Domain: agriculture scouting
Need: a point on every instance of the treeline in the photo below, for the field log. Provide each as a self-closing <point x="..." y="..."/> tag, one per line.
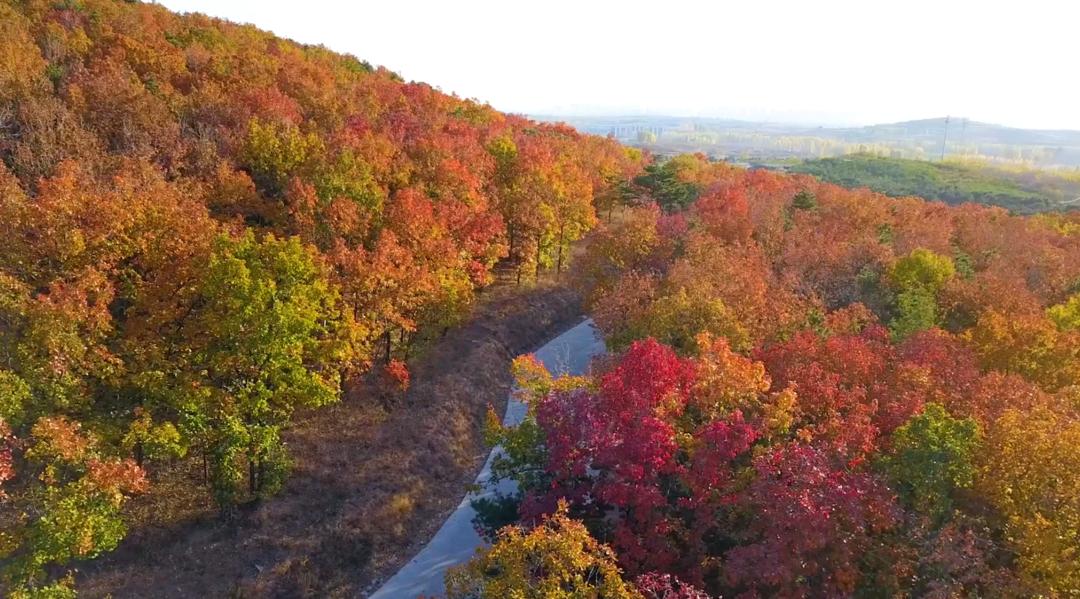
<point x="206" y="227"/>
<point x="814" y="391"/>
<point x="1019" y="190"/>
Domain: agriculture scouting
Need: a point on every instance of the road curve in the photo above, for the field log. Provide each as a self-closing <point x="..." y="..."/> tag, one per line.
<point x="456" y="541"/>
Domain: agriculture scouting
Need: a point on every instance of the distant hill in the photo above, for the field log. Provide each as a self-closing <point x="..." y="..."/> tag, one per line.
<point x="1022" y="191"/>
<point x="1063" y="145"/>
<point x="971" y="131"/>
<point x="749" y="141"/>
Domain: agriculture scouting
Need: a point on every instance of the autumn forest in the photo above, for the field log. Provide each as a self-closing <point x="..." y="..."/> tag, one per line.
<point x="209" y="232"/>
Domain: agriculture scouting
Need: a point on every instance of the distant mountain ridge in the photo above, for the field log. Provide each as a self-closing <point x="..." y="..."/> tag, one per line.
<point x="1002" y="133"/>
<point x="987" y="132"/>
<point x="753" y="141"/>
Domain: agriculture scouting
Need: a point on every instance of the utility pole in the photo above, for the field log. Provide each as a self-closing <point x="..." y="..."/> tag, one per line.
<point x="944" y="138"/>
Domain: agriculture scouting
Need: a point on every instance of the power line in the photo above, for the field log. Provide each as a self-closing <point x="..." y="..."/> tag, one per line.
<point x="945" y="138"/>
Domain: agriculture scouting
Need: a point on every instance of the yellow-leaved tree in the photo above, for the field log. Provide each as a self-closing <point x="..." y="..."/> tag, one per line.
<point x="556" y="560"/>
<point x="1030" y="472"/>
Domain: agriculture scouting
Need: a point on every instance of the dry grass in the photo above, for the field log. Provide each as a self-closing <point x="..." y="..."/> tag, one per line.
<point x="372" y="481"/>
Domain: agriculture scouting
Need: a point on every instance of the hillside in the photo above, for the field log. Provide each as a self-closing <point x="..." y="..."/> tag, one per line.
<point x="1024" y="191"/>
<point x="209" y="230"/>
<point x="261" y="304"/>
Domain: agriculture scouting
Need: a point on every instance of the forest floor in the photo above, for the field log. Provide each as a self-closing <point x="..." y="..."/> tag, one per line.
<point x="373" y="480"/>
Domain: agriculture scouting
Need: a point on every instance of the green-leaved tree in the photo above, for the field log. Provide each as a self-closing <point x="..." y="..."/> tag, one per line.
<point x="266" y="335"/>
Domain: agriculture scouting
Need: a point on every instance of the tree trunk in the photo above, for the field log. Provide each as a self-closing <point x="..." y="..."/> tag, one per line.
<point x="538" y="250"/>
<point x="558" y="259"/>
<point x="513" y="242"/>
<point x="389" y="346"/>
<point x="251" y="476"/>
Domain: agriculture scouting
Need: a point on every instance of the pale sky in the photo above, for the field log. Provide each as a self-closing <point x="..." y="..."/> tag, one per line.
<point x="1012" y="62"/>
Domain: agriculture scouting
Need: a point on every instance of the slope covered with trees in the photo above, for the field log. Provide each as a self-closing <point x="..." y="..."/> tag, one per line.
<point x="207" y="228"/>
<point x="813" y="392"/>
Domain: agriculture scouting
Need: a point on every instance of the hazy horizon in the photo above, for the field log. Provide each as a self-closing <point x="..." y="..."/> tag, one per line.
<point x="833" y="63"/>
<point x="954" y="119"/>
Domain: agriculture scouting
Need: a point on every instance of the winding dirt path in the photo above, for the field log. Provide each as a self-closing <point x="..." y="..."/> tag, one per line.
<point x="456" y="541"/>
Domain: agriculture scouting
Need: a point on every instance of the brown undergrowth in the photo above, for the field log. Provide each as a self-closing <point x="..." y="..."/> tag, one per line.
<point x="374" y="477"/>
